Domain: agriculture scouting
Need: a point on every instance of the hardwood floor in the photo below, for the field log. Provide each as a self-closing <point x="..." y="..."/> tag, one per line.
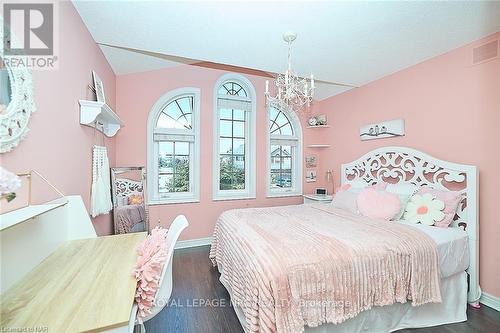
<point x="196" y="283"/>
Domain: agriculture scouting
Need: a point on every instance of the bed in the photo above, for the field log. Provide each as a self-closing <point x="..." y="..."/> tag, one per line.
<point x="315" y="268"/>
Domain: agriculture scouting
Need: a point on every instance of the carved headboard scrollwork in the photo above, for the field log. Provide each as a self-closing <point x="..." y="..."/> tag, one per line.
<point x="407" y="165"/>
<point x="126" y="187"/>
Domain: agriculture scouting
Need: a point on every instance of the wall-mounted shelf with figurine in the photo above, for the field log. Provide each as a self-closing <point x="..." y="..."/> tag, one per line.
<point x="319" y="126"/>
<point x="99" y="116"/>
<point x="318" y="146"/>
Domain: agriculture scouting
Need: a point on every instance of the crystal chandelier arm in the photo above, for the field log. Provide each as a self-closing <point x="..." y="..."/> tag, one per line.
<point x="292" y="91"/>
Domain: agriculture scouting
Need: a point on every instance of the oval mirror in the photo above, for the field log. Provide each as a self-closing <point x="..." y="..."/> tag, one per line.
<point x="5" y="87"/>
<point x="16" y="101"/>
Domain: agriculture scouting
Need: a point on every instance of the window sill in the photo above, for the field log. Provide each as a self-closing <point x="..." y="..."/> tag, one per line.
<point x="172" y="201"/>
<point x="250" y="197"/>
<point x="284" y="195"/>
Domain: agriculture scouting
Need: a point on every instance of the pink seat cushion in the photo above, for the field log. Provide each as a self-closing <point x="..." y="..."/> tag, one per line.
<point x="451" y="201"/>
<point x="378" y="204"/>
<point x="151" y="256"/>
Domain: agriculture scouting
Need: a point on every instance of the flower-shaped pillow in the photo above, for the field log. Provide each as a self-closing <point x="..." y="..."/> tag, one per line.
<point x="425" y="209"/>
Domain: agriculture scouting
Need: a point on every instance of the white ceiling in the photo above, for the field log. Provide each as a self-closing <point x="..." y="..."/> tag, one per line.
<point x="349" y="42"/>
<point x="125" y="62"/>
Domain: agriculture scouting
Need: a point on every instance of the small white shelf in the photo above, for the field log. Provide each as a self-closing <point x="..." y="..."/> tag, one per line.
<point x="99" y="116"/>
<point x="318" y="146"/>
<point x="17" y="216"/>
<point x="319" y="126"/>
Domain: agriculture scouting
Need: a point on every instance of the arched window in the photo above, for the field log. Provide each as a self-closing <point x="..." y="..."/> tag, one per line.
<point x="285" y="153"/>
<point x="173" y="147"/>
<point x="234" y="142"/>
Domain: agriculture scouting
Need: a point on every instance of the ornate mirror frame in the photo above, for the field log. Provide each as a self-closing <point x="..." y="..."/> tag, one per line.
<point x="122" y="187"/>
<point x="14" y="121"/>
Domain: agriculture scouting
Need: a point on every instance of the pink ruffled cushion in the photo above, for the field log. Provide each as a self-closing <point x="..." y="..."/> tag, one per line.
<point x="451" y="201"/>
<point x="152" y="253"/>
<point x="378" y="204"/>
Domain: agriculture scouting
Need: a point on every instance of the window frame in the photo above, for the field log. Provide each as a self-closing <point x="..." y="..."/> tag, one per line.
<point x="154" y="197"/>
<point x="295" y="141"/>
<point x="250" y="141"/>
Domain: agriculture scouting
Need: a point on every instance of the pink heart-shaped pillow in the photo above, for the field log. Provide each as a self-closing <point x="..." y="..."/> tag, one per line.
<point x="378" y="204"/>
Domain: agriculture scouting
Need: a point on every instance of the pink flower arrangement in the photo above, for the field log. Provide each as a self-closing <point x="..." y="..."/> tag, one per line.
<point x="152" y="253"/>
<point x="9" y="183"/>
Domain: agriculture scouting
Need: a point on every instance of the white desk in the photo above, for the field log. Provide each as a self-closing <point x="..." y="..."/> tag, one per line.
<point x="85" y="285"/>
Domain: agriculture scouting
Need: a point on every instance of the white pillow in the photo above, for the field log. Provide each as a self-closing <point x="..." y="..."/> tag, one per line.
<point x="358" y="183"/>
<point x="402" y="188"/>
<point x="346" y="200"/>
<point x="404" y="199"/>
<point x="357" y="186"/>
<point x="404" y="191"/>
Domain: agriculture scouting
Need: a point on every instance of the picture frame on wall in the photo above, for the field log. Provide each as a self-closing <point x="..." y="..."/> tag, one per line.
<point x="385" y="129"/>
<point x="99" y="88"/>
<point x="311" y="161"/>
<point x="311" y="176"/>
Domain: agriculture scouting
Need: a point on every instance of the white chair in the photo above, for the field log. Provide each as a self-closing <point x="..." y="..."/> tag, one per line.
<point x="165" y="291"/>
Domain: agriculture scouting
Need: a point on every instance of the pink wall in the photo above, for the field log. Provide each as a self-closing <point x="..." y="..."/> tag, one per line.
<point x="452" y="111"/>
<point x="57" y="145"/>
<point x="136" y="94"/>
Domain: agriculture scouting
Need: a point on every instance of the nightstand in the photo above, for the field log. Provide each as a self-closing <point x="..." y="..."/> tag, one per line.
<point x="314" y="198"/>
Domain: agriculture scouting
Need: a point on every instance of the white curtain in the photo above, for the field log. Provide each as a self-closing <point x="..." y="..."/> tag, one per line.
<point x="101" y="191"/>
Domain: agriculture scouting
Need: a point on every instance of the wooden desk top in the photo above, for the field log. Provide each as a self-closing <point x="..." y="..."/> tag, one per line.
<point x="84" y="286"/>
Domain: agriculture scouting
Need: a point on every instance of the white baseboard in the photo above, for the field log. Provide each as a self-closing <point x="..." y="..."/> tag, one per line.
<point x="490" y="300"/>
<point x="193" y="243"/>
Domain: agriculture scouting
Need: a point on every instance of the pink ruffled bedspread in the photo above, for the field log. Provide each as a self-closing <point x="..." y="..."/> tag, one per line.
<point x="287" y="267"/>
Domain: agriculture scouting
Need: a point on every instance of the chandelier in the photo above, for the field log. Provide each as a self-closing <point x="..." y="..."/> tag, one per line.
<point x="291" y="91"/>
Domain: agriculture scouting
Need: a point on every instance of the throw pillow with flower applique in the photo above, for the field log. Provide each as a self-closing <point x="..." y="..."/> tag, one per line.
<point x="425" y="209"/>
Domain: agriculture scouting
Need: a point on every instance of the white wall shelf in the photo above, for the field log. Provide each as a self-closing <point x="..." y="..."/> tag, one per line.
<point x="99" y="116"/>
<point x="319" y="126"/>
<point x="318" y="146"/>
<point x="17" y="216"/>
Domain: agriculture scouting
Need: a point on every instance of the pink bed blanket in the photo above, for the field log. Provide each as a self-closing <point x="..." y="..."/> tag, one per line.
<point x="127" y="216"/>
<point x="287" y="267"/>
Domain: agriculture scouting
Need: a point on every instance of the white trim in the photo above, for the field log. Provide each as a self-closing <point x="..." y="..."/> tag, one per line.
<point x="250" y="151"/>
<point x="194" y="195"/>
<point x="172" y="201"/>
<point x="297" y="162"/>
<point x="233" y="197"/>
<point x="399" y="162"/>
<point x="184" y="244"/>
<point x="283" y="195"/>
<point x="490" y="300"/>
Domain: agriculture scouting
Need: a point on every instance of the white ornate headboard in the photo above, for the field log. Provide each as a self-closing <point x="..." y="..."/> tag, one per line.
<point x="126" y="187"/>
<point x="406" y="165"/>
